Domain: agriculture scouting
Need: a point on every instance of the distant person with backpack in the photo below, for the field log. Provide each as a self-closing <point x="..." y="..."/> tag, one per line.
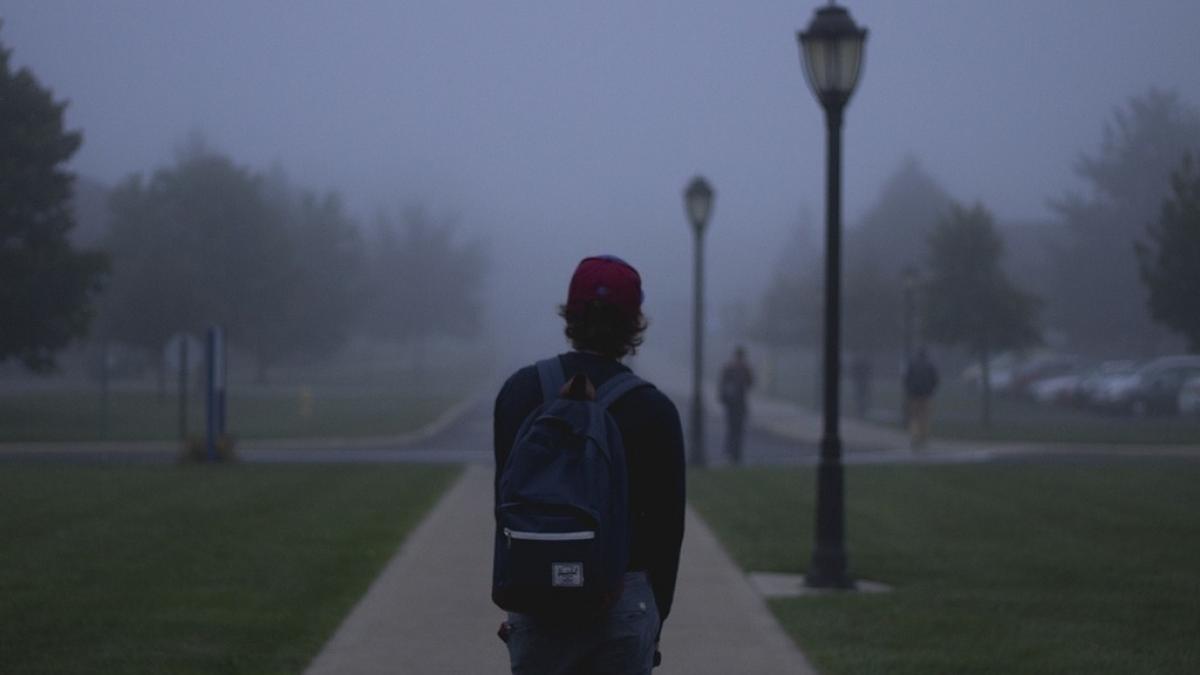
<point x="735" y="383"/>
<point x="589" y="492"/>
<point x="920" y="381"/>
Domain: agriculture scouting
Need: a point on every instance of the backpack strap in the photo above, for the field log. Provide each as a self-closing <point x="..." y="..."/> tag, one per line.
<point x="616" y="387"/>
<point x="551" y="376"/>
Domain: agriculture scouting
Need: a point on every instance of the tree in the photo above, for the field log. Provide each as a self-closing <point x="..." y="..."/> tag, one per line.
<point x="970" y="301"/>
<point x="325" y="269"/>
<point x="889" y="238"/>
<point x="197" y="245"/>
<point x="46" y="287"/>
<point x="1170" y="262"/>
<point x="1128" y="177"/>
<point x="424" y="280"/>
<point x="892" y="234"/>
<point x="789" y="313"/>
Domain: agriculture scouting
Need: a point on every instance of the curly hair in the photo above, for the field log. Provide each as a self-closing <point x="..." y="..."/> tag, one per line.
<point x="604" y="328"/>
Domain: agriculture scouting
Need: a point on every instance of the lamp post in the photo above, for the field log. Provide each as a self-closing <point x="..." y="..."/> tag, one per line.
<point x="908" y="282"/>
<point x="832" y="49"/>
<point x="697" y="201"/>
<point x="908" y="279"/>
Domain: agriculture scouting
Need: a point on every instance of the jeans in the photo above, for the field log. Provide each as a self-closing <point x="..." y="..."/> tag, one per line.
<point x="619" y="643"/>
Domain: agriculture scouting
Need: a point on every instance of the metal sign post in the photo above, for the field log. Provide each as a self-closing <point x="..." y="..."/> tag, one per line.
<point x="214" y="390"/>
<point x="183" y="388"/>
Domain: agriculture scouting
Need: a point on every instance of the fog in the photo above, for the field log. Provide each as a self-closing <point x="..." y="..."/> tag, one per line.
<point x="556" y="130"/>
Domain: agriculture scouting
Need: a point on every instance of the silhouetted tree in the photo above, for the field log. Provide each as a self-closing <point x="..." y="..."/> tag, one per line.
<point x="873" y="320"/>
<point x="892" y="234"/>
<point x="324" y="265"/>
<point x="1170" y="261"/>
<point x="970" y="301"/>
<point x="424" y="280"/>
<point x="1128" y="178"/>
<point x="46" y="287"/>
<point x="790" y="312"/>
<point x="197" y="245"/>
<point x="890" y="237"/>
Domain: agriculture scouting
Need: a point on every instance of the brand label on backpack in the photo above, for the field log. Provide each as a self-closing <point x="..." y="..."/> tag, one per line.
<point x="566" y="575"/>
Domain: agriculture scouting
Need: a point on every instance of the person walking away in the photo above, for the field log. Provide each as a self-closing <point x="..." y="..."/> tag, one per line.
<point x="736" y="380"/>
<point x="920" y="382"/>
<point x="553" y="556"/>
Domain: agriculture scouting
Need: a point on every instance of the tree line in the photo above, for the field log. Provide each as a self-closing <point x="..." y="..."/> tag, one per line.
<point x="1116" y="272"/>
<point x="284" y="270"/>
<point x="287" y="272"/>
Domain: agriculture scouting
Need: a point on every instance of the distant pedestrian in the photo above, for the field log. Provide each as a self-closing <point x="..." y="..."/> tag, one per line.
<point x="920" y="381"/>
<point x="587" y="576"/>
<point x="736" y="380"/>
<point x="860" y="377"/>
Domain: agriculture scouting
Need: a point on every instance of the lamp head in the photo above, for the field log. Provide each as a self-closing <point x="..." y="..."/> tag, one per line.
<point x="832" y="51"/>
<point x="697" y="200"/>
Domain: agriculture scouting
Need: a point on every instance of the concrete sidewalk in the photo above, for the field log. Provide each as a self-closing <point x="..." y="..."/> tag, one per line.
<point x="430" y="612"/>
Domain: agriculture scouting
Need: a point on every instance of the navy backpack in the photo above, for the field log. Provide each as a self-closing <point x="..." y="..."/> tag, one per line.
<point x="562" y="501"/>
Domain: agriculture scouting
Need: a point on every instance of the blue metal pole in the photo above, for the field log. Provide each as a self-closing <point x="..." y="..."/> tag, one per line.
<point x="210" y="408"/>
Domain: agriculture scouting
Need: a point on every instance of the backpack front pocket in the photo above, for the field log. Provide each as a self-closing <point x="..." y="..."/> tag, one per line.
<point x="554" y="559"/>
<point x="549" y="546"/>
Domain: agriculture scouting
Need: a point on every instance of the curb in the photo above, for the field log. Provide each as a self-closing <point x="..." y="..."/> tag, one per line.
<point x="439" y="424"/>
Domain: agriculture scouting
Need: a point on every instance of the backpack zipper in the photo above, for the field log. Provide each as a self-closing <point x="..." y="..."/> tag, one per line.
<point x="547" y="536"/>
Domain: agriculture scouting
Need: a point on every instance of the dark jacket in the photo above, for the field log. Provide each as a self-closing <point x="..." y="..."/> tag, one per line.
<point x="736" y="380"/>
<point x="653" y="440"/>
<point x="920" y="378"/>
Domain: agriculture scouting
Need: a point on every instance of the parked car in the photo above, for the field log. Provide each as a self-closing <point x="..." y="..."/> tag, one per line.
<point x="1012" y="374"/>
<point x="1101" y="379"/>
<point x="1000" y="372"/>
<point x="1041" y="367"/>
<point x="1154" y="389"/>
<point x="1057" y="390"/>
<point x="1189" y="397"/>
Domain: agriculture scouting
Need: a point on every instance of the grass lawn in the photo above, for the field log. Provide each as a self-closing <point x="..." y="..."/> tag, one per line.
<point x="279" y="413"/>
<point x="192" y="569"/>
<point x="996" y="569"/>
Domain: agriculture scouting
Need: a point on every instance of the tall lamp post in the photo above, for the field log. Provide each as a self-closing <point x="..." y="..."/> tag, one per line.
<point x="832" y="51"/>
<point x="697" y="201"/>
<point x="908" y="281"/>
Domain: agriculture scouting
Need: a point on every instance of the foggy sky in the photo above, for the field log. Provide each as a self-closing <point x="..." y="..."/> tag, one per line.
<point x="559" y="129"/>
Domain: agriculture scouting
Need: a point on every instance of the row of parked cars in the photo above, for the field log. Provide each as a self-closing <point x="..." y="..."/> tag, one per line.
<point x="1168" y="385"/>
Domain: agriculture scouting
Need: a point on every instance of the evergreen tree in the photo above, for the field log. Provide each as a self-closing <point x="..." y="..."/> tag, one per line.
<point x="196" y="245"/>
<point x="425" y="281"/>
<point x="46" y="287"/>
<point x="1128" y="177"/>
<point x="970" y="301"/>
<point x="1170" y="262"/>
<point x="325" y="265"/>
<point x="889" y="238"/>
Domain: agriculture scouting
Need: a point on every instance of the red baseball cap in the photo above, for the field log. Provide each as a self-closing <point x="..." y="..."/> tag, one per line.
<point x="606" y="278"/>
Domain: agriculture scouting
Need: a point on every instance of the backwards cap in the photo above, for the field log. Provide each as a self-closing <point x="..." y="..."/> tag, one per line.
<point x="606" y="278"/>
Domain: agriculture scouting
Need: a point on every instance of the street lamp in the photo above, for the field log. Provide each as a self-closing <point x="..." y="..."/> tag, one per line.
<point x="908" y="279"/>
<point x="697" y="201"/>
<point x="908" y="282"/>
<point x="832" y="50"/>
